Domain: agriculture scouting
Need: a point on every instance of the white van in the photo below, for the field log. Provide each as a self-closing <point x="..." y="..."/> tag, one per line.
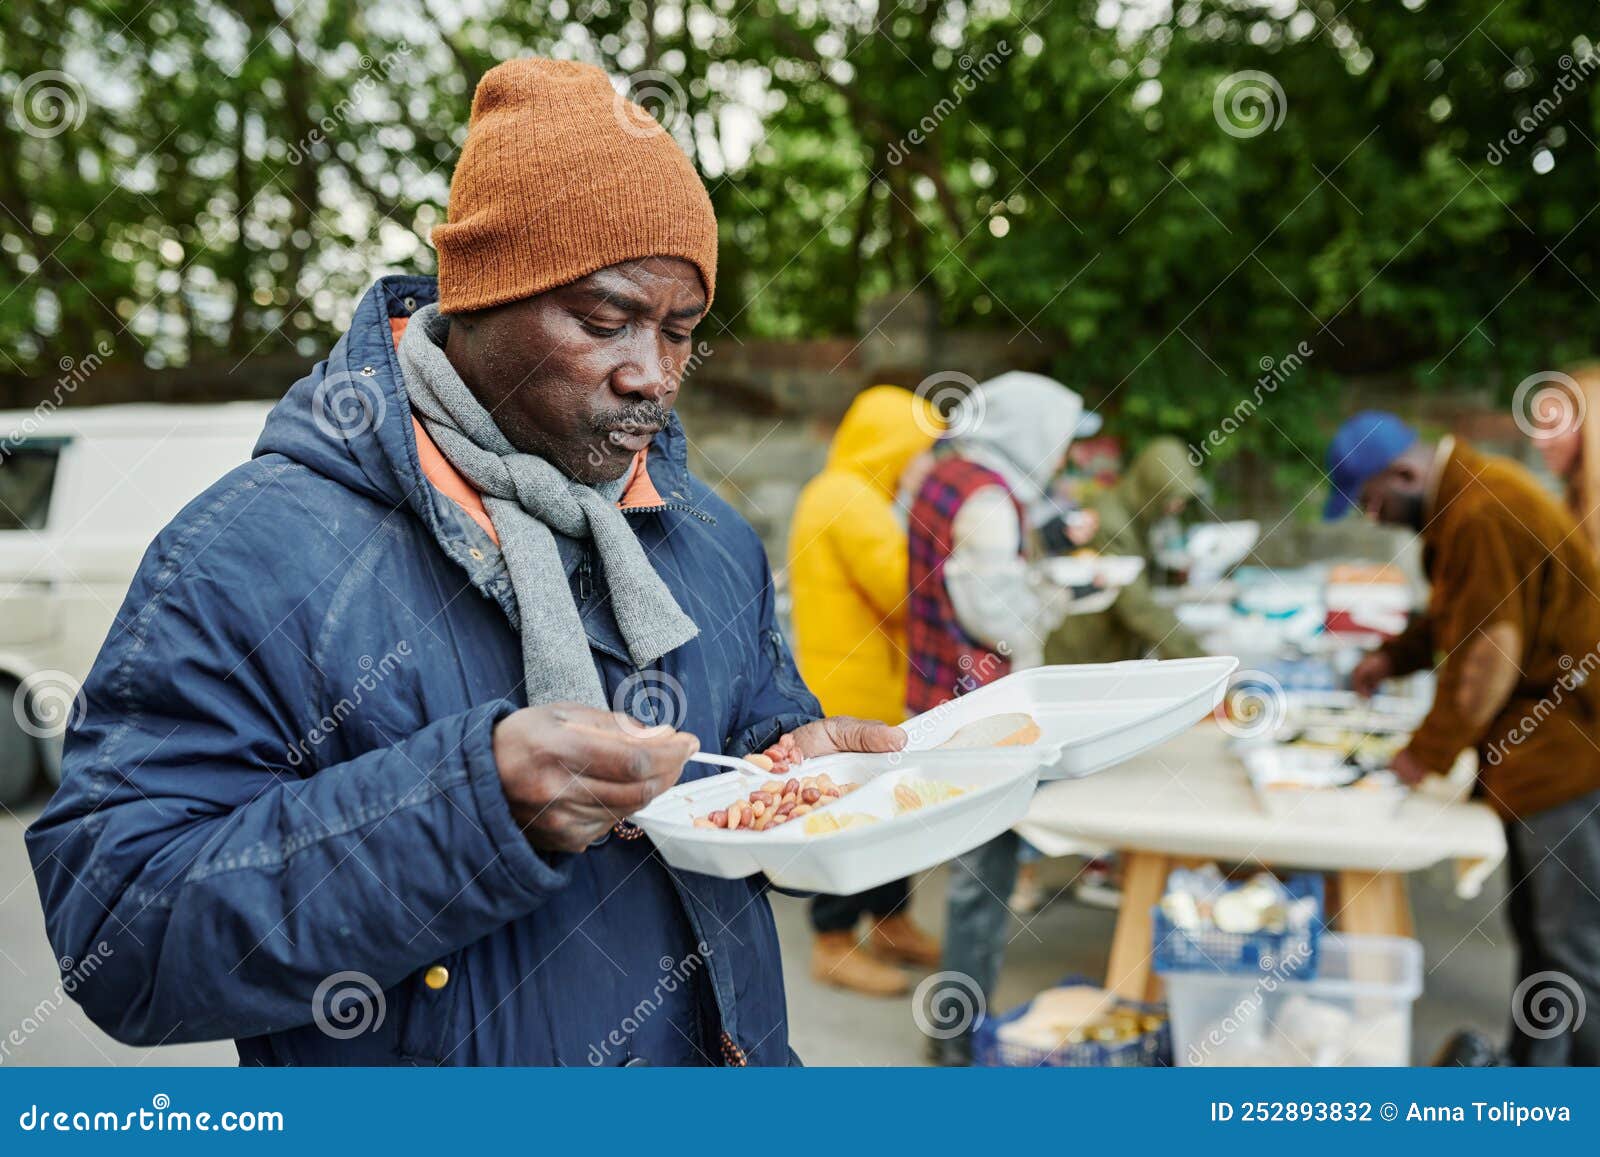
<point x="83" y="491"/>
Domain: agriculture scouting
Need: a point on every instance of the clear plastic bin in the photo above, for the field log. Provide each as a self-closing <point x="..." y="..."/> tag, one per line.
<point x="1356" y="1012"/>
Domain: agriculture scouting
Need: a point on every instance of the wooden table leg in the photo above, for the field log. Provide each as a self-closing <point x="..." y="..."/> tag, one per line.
<point x="1144" y="878"/>
<point x="1373" y="904"/>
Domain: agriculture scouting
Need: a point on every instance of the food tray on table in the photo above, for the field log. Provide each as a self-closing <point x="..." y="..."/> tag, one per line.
<point x="1151" y="1048"/>
<point x="1381" y="714"/>
<point x="996" y="785"/>
<point x="1292" y="952"/>
<point x="1320" y="785"/>
<point x="1091" y="716"/>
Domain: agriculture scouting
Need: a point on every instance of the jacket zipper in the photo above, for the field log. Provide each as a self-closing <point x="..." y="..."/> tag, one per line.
<point x="585" y="578"/>
<point x="701" y="515"/>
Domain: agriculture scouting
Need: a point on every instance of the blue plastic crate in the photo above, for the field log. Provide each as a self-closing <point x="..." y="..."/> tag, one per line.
<point x="1288" y="954"/>
<point x="1152" y="1050"/>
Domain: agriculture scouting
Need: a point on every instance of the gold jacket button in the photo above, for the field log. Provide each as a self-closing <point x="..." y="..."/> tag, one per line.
<point x="436" y="977"/>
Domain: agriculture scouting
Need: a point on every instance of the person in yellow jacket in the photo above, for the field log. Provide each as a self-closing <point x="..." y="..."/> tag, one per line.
<point x="847" y="575"/>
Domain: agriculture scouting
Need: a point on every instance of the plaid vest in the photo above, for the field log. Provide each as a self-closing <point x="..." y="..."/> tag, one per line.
<point x="945" y="662"/>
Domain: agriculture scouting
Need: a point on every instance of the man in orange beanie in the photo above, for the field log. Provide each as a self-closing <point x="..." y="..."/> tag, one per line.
<point x="426" y="858"/>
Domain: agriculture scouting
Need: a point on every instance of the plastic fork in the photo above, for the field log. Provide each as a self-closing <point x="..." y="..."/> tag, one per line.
<point x="731" y="761"/>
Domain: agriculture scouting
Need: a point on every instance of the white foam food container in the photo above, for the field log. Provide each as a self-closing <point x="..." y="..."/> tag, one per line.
<point x="1317" y="787"/>
<point x="1093" y="715"/>
<point x="999" y="784"/>
<point x="1107" y="570"/>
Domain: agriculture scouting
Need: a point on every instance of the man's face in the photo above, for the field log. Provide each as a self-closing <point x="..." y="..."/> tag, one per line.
<point x="584" y="375"/>
<point x="1396" y="495"/>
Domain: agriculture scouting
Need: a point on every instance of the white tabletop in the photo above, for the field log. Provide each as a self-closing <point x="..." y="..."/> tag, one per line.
<point x="1190" y="797"/>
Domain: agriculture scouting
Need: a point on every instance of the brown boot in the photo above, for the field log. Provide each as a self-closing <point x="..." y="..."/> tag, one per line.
<point x="838" y="960"/>
<point x="897" y="938"/>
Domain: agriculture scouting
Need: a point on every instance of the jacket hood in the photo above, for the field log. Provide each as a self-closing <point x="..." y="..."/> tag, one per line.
<point x="882" y="431"/>
<point x="1024" y="420"/>
<point x="349" y="419"/>
<point x="1160" y="473"/>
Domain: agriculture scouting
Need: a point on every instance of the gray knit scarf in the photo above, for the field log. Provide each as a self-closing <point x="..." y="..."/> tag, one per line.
<point x="527" y="498"/>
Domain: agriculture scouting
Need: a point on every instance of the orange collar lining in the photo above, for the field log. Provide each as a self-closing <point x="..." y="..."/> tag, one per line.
<point x="639" y="491"/>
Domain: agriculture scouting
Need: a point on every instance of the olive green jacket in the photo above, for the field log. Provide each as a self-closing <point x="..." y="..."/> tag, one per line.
<point x="1136" y="625"/>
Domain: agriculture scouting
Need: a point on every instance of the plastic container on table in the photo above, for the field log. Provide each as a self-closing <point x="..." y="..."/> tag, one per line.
<point x="999" y="784"/>
<point x="1357" y="1012"/>
<point x="1093" y="715"/>
<point x="1318" y="787"/>
<point x="1250" y="954"/>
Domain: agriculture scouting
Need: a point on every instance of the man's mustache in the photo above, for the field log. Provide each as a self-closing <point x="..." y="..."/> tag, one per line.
<point x="640" y="416"/>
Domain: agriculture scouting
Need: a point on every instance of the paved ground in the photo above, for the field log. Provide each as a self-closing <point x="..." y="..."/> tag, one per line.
<point x="1468" y="982"/>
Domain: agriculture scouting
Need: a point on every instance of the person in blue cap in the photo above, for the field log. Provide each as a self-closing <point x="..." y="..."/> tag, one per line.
<point x="1512" y="629"/>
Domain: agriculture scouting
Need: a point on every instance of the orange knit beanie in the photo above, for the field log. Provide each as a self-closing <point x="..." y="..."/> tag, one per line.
<point x="560" y="177"/>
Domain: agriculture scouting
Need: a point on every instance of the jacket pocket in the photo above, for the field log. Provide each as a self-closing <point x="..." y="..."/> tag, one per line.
<point x="429" y="1010"/>
<point x="785" y="675"/>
